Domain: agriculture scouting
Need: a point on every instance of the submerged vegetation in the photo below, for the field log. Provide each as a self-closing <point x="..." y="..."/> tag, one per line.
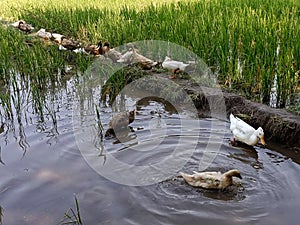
<point x="252" y="46"/>
<point x="72" y="216"/>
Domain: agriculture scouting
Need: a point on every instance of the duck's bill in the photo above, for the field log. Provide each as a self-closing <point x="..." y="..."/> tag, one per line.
<point x="262" y="140"/>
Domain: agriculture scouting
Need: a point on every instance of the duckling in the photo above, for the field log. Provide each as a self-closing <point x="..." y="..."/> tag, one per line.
<point x="23" y="26"/>
<point x="120" y="122"/>
<point x="211" y="180"/>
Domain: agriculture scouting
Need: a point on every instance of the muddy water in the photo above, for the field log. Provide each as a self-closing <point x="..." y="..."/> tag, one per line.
<point x="44" y="167"/>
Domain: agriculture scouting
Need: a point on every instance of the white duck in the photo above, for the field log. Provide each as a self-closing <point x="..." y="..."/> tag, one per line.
<point x="211" y="180"/>
<point x="244" y="132"/>
<point x="173" y="65"/>
<point x="44" y="34"/>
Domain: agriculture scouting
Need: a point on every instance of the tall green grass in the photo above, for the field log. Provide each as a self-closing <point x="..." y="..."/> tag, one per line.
<point x="225" y="33"/>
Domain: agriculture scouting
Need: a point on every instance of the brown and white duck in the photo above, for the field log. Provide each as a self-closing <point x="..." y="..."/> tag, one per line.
<point x="68" y="44"/>
<point x="93" y="49"/>
<point x="111" y="53"/>
<point x="42" y="33"/>
<point x="133" y="57"/>
<point x="120" y="122"/>
<point x="211" y="180"/>
<point x="23" y="26"/>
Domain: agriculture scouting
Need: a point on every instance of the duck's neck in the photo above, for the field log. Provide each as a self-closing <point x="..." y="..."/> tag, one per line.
<point x="225" y="182"/>
<point x="254" y="139"/>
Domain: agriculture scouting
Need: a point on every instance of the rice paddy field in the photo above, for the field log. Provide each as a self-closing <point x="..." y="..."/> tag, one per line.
<point x="252" y="46"/>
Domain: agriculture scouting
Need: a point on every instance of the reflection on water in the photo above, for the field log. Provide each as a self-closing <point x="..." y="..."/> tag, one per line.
<point x="44" y="167"/>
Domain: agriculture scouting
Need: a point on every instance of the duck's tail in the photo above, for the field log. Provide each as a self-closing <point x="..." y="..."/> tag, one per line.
<point x="187" y="177"/>
<point x="232" y="121"/>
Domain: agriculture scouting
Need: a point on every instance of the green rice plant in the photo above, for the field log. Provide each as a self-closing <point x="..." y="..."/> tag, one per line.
<point x="6" y="106"/>
<point x="72" y="216"/>
<point x="119" y="80"/>
<point x="99" y="123"/>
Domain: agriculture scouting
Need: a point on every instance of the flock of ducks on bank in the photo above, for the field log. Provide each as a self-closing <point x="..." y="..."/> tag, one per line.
<point x="241" y="131"/>
<point x="131" y="56"/>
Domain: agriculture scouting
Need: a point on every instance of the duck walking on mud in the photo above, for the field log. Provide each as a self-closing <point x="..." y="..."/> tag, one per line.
<point x="173" y="65"/>
<point x="211" y="180"/>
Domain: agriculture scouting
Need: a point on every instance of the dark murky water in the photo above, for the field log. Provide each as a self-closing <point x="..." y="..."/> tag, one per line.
<point x="44" y="167"/>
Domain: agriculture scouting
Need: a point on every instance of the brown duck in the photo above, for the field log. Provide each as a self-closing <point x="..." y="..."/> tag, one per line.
<point x="211" y="180"/>
<point x="93" y="49"/>
<point x="111" y="53"/>
<point x="120" y="122"/>
<point x="69" y="44"/>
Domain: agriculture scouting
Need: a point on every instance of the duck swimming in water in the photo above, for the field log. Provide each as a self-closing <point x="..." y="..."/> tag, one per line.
<point x="120" y="122"/>
<point x="245" y="133"/>
<point x="211" y="180"/>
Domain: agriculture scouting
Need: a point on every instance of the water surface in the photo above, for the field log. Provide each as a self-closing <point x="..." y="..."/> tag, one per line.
<point x="43" y="167"/>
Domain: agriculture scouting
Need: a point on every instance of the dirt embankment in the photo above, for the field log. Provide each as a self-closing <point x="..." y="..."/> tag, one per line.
<point x="279" y="125"/>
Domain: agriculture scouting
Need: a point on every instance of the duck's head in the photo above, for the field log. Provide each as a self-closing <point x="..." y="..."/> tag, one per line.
<point x="131" y="115"/>
<point x="21" y="22"/>
<point x="100" y="44"/>
<point x="234" y="173"/>
<point x="131" y="45"/>
<point x="106" y="44"/>
<point x="60" y="39"/>
<point x="105" y="47"/>
<point x="167" y="58"/>
<point x="260" y="134"/>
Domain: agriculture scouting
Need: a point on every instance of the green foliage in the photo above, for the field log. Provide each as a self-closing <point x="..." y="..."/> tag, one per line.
<point x="250" y="42"/>
<point x="119" y="80"/>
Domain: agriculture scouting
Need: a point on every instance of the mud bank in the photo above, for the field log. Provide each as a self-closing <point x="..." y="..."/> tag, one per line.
<point x="279" y="125"/>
